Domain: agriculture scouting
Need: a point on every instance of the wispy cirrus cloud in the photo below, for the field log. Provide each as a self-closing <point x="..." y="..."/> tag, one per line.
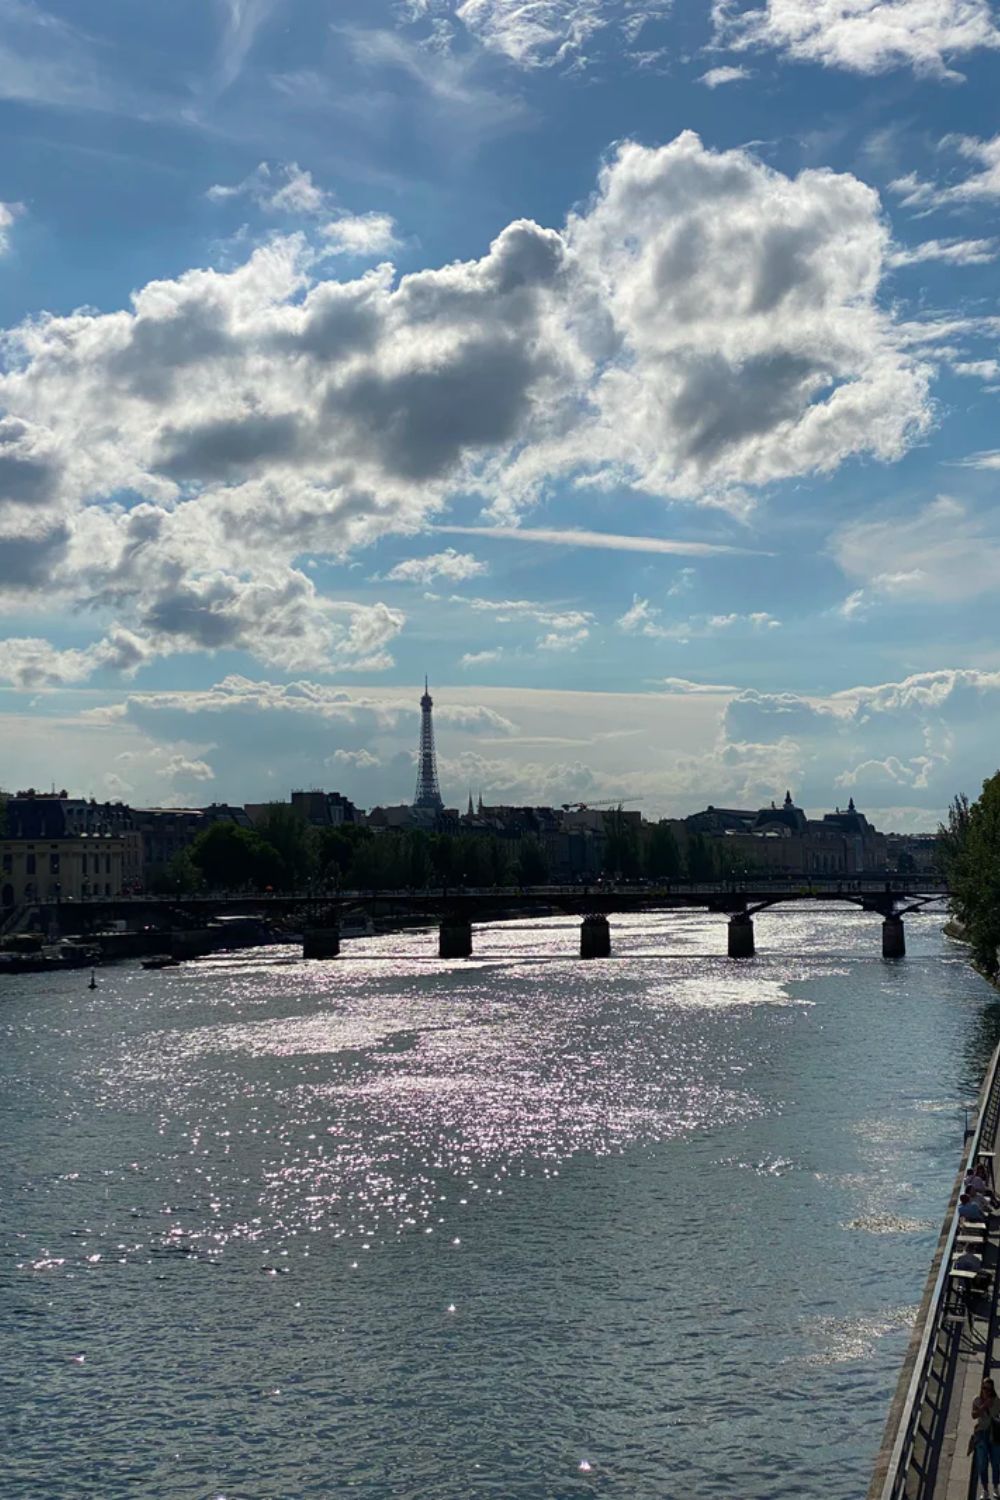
<point x="540" y="33"/>
<point x="601" y="540"/>
<point x="953" y="252"/>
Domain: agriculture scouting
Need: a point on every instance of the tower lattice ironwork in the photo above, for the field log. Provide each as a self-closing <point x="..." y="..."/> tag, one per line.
<point x="428" y="794"/>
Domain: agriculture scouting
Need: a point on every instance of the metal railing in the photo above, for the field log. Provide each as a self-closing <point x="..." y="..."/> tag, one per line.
<point x="921" y="1421"/>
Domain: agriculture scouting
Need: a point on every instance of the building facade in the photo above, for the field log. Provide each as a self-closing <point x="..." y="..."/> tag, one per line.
<point x="61" y="869"/>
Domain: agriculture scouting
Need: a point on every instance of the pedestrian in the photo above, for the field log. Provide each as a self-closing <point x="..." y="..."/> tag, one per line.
<point x="984" y="1443"/>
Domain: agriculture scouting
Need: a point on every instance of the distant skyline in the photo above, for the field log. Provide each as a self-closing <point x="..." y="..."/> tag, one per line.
<point x="631" y="368"/>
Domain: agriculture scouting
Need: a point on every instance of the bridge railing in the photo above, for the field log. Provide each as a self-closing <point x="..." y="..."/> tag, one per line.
<point x="923" y="1416"/>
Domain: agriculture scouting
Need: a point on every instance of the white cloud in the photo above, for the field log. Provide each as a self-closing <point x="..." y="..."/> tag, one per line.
<point x="601" y="540"/>
<point x="863" y="36"/>
<point x="685" y="686"/>
<point x="448" y="564"/>
<point x="363" y="235"/>
<point x="545" y="33"/>
<point x="702" y="325"/>
<point x="570" y="640"/>
<point x="360" y="759"/>
<point x="283" y="187"/>
<point x="286" y="188"/>
<point x="954" y="252"/>
<point x="8" y="213"/>
<point x="757" y="620"/>
<point x="981" y="186"/>
<point x="942" y="553"/>
<point x="480" y="658"/>
<point x="641" y="619"/>
<point x="977" y="369"/>
<point x="988" y="459"/>
<point x="716" y="77"/>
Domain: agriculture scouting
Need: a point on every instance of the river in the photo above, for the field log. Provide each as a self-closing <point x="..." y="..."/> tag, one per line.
<point x="650" y="1228"/>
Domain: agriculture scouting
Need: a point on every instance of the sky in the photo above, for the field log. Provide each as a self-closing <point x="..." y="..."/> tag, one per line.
<point x="629" y="367"/>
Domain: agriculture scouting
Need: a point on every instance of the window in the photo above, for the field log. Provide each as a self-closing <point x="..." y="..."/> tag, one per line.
<point x="29" y="864"/>
<point x="8" y="863"/>
<point x="83" y="864"/>
<point x="53" y="864"/>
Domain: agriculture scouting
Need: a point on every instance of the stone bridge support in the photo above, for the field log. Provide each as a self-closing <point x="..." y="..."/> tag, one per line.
<point x="321" y="942"/>
<point x="595" y="936"/>
<point x="740" y="934"/>
<point x="455" y="938"/>
<point x="893" y="937"/>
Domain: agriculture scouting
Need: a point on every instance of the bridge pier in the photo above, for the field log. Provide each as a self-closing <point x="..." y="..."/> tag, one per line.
<point x="893" y="937"/>
<point x="455" y="938"/>
<point x="595" y="936"/>
<point x="321" y="942"/>
<point x="740" y="935"/>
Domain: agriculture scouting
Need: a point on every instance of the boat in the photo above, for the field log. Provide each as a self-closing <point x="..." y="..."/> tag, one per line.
<point x="162" y="961"/>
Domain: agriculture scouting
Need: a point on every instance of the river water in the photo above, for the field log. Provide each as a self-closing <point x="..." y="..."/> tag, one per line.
<point x="650" y="1228"/>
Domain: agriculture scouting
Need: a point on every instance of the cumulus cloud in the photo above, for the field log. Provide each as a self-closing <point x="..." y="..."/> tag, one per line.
<point x="363" y="235"/>
<point x="360" y="759"/>
<point x="480" y="658"/>
<point x="862" y="36"/>
<point x="702" y="326"/>
<point x="447" y="564"/>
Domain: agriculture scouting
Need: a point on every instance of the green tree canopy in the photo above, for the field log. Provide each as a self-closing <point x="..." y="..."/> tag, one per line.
<point x="970" y="852"/>
<point x="663" y="857"/>
<point x="232" y="858"/>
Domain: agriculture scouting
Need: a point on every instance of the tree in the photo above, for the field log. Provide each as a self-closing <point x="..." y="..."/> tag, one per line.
<point x="663" y="857"/>
<point x="287" y="831"/>
<point x="532" y="862"/>
<point x="971" y="857"/>
<point x="336" y="849"/>
<point x="418" y="859"/>
<point x="229" y="857"/>
<point x="444" y="859"/>
<point x="700" y="860"/>
<point x="182" y="877"/>
<point x="621" y="843"/>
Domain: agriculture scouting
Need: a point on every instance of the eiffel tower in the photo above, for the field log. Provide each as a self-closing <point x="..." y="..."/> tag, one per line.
<point x="428" y="795"/>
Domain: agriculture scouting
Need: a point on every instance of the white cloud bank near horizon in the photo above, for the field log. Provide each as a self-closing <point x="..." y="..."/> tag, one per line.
<point x="901" y="749"/>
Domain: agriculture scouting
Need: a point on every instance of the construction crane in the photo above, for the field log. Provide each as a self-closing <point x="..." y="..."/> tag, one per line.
<point x="585" y="806"/>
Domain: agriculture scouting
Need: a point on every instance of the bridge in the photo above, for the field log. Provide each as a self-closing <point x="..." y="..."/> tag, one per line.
<point x="457" y="908"/>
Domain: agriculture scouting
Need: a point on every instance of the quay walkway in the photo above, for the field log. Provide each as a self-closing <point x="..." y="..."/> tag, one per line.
<point x="955" y="1343"/>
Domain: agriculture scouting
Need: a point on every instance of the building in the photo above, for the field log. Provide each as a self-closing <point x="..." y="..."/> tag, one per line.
<point x="61" y="869"/>
<point x="325" y="809"/>
<point x="56" y="815"/>
<point x="784" y="841"/>
<point x="165" y="832"/>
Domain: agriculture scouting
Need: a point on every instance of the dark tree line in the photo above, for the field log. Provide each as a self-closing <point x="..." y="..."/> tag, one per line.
<point x="283" y="853"/>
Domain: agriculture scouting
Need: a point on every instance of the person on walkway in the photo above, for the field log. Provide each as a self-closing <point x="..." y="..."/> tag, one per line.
<point x="969" y="1208"/>
<point x="984" y="1443"/>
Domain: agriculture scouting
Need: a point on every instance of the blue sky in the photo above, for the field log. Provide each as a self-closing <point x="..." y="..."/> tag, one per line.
<point x="630" y="368"/>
